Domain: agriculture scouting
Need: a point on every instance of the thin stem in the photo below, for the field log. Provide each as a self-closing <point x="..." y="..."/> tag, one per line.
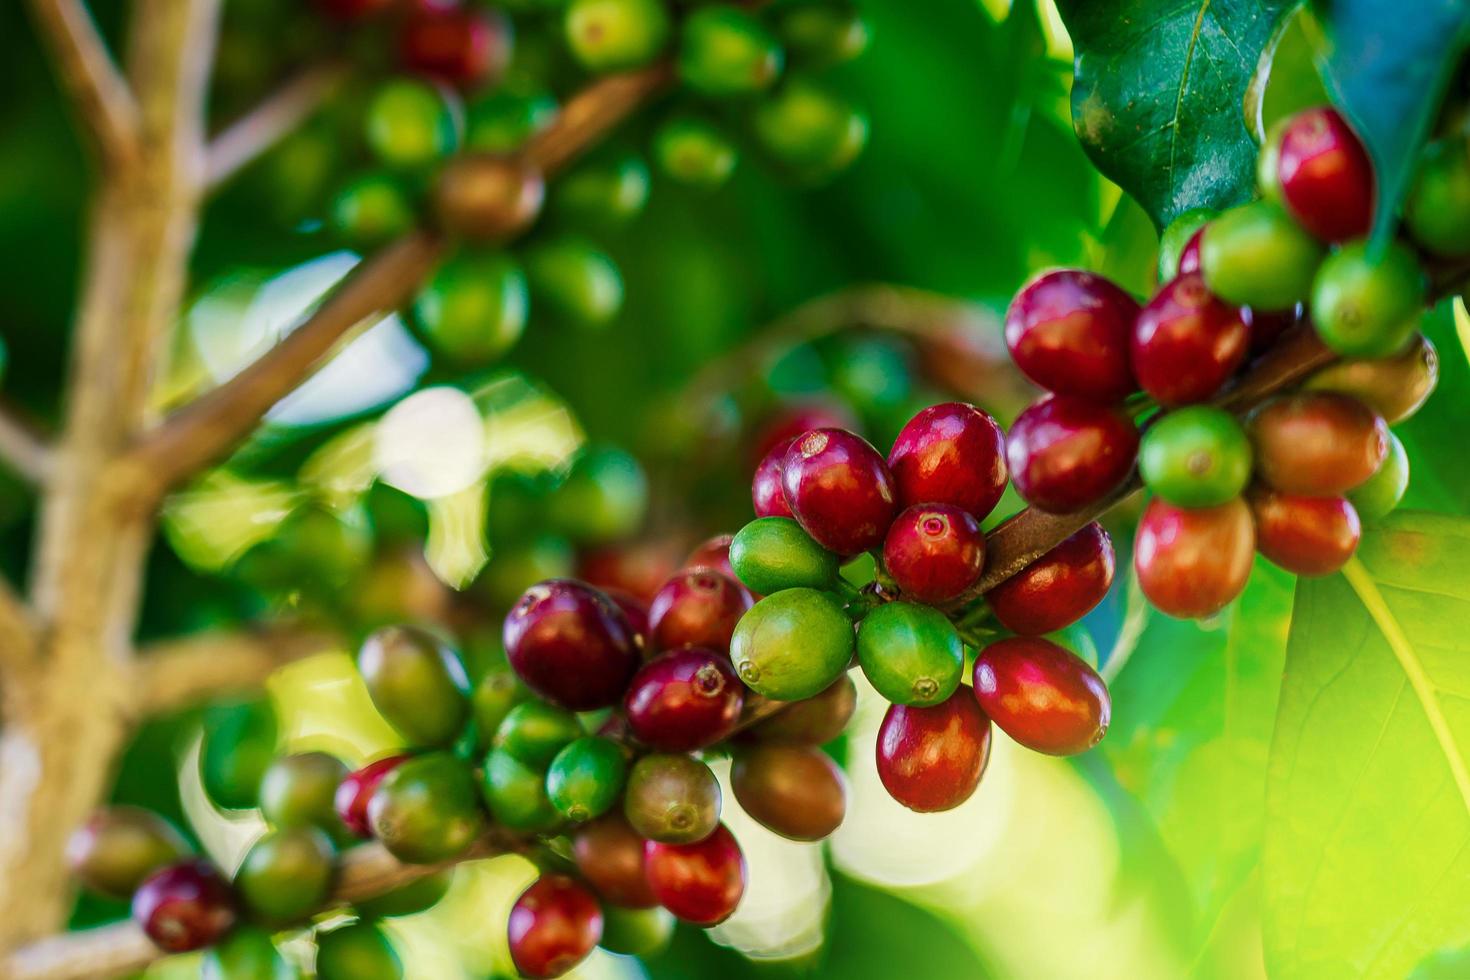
<point x="23" y="449"/>
<point x="102" y="97"/>
<point x="269" y="122"/>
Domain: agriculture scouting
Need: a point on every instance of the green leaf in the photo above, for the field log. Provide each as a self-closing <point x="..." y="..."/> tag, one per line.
<point x="1164" y="99"/>
<point x="1385" y="65"/>
<point x="1367" y="860"/>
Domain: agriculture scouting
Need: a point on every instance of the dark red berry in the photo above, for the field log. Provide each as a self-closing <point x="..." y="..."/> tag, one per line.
<point x="1266" y="327"/>
<point x="839" y="489"/>
<point x="1192" y="562"/>
<point x="766" y="494"/>
<point x="1319" y="444"/>
<point x="796" y="791"/>
<point x="1068" y="331"/>
<point x="634" y="610"/>
<point x="1058" y="588"/>
<point x="184" y="906"/>
<point x="1066" y="453"/>
<point x="1187" y="343"/>
<point x="1042" y="695"/>
<point x="713" y="553"/>
<point x="553" y="926"/>
<point x="934" y="552"/>
<point x="609" y="854"/>
<point x="459" y="47"/>
<point x="636" y="569"/>
<point x="684" y="700"/>
<point x="700" y="883"/>
<point x="950" y="454"/>
<point x="699" y="607"/>
<point x="1189" y="255"/>
<point x="356" y="791"/>
<point x="931" y="759"/>
<point x="1326" y="177"/>
<point x="571" y="645"/>
<point x="797" y="420"/>
<point x="812" y="721"/>
<point x="1305" y="535"/>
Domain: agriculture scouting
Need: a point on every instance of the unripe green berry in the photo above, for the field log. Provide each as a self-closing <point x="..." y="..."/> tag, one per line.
<point x="298" y="791"/>
<point x="793" y="644"/>
<point x="808" y="129"/>
<point x="247" y="953"/>
<point x="725" y="51"/>
<point x="910" y="653"/>
<point x="586" y="778"/>
<point x="369" y="211"/>
<point x="1176" y="236"/>
<point x="426" y="810"/>
<point x="603" y="498"/>
<point x="1437" y="210"/>
<point x="1196" y="456"/>
<point x="694" y="152"/>
<point x="503" y="121"/>
<point x="1381" y="494"/>
<point x="1368" y="307"/>
<point x="516" y="794"/>
<point x="611" y="35"/>
<point x="1255" y="255"/>
<point x="239" y="745"/>
<point x="606" y="192"/>
<point x="407" y="899"/>
<point x="358" y="951"/>
<point x="821" y="33"/>
<point x="286" y="875"/>
<point x="773" y="553"/>
<point x="575" y="279"/>
<point x="475" y="307"/>
<point x="534" y="732"/>
<point x="411" y="124"/>
<point x="636" y="932"/>
<point x="417" y="684"/>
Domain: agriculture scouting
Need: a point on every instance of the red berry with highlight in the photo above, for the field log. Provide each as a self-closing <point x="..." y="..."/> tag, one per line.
<point x="355" y="792"/>
<point x="713" y="553"/>
<point x="1068" y="331"/>
<point x="766" y="493"/>
<point x="1042" y="695"/>
<point x="1187" y="343"/>
<point x="1066" y="453"/>
<point x="951" y="453"/>
<point x="1326" y="176"/>
<point x="797" y="420"/>
<point x="609" y="854"/>
<point x="571" y="645"/>
<point x="699" y="607"/>
<point x="1318" y="444"/>
<point x="1059" y="588"/>
<point x="553" y="926"/>
<point x="184" y="906"/>
<point x="700" y="883"/>
<point x="684" y="700"/>
<point x="931" y="759"/>
<point x="1189" y="255"/>
<point x="1305" y="535"/>
<point x="934" y="552"/>
<point x="1192" y="562"/>
<point x="460" y="47"/>
<point x="839" y="489"/>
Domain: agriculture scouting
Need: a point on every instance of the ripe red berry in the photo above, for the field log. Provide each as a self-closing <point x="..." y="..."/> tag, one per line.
<point x="634" y="610"/>
<point x="839" y="490"/>
<point x="1058" y="588"/>
<point x="1042" y="695"/>
<point x="699" y="607"/>
<point x="1318" y="444"/>
<point x="459" y="47"/>
<point x="797" y="420"/>
<point x="951" y="453"/>
<point x="766" y="493"/>
<point x="553" y="926"/>
<point x="1066" y="453"/>
<point x="636" y="569"/>
<point x="1326" y="176"/>
<point x="184" y="906"/>
<point x="609" y="854"/>
<point x="1189" y="255"/>
<point x="812" y="721"/>
<point x="1187" y="343"/>
<point x="1267" y="327"/>
<point x="713" y="553"/>
<point x="934" y="552"/>
<point x="931" y="759"/>
<point x="700" y="883"/>
<point x="1068" y="331"/>
<point x="571" y="645"/>
<point x="356" y="791"/>
<point x="1192" y="562"/>
<point x="684" y="700"/>
<point x="1305" y="535"/>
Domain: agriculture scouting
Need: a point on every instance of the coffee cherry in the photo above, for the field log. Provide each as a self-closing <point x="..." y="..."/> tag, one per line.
<point x="505" y="121"/>
<point x="184" y="906"/>
<point x="1179" y="244"/>
<point x="792" y="645"/>
<point x="809" y="130"/>
<point x="605" y="192"/>
<point x="609" y="855"/>
<point x="1266" y="327"/>
<point x="553" y="926"/>
<point x="951" y="453"/>
<point x="1268" y="162"/>
<point x="819" y="33"/>
<point x="796" y="420"/>
<point x="1187" y="343"/>
<point x="701" y="883"/>
<point x="839" y="489"/>
<point x="408" y="899"/>
<point x="571" y="645"/>
<point x="1192" y="562"/>
<point x="1068" y="331"/>
<point x="696" y="608"/>
<point x="712" y="553"/>
<point x="1066" y="453"/>
<point x="239" y="744"/>
<point x="672" y="798"/>
<point x="795" y="791"/>
<point x="575" y="279"/>
<point x="515" y="794"/>
<point x="298" y="791"/>
<point x="1317" y="444"/>
<point x="586" y="778"/>
<point x="1395" y="387"/>
<point x="813" y="721"/>
<point x="725" y="51"/>
<point x="766" y="493"/>
<point x="1325" y="176"/>
<point x="934" y="552"/>
<point x="286" y="875"/>
<point x="458" y="47"/>
<point x="1042" y="695"/>
<point x="411" y="124"/>
<point x="636" y="932"/>
<point x="417" y="684"/>
<point x="694" y="151"/>
<point x="603" y="498"/>
<point x="774" y="553"/>
<point x="356" y="791"/>
<point x="932" y="758"/>
<point x="357" y="951"/>
<point x="1059" y="588"/>
<point x="1437" y="210"/>
<point x="119" y="846"/>
<point x="1366" y="306"/>
<point x="534" y="732"/>
<point x="684" y="700"/>
<point x="1381" y="493"/>
<point x="247" y="953"/>
<point x="610" y="35"/>
<point x="474" y="309"/>
<point x="1197" y="456"/>
<point x="370" y="211"/>
<point x="1255" y="255"/>
<point x="911" y="654"/>
<point x="426" y="809"/>
<point x="1305" y="535"/>
<point x="494" y="696"/>
<point x="485" y="198"/>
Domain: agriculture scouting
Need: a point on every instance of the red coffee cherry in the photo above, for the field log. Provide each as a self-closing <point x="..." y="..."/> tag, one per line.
<point x="1059" y="588"/>
<point x="1068" y="331"/>
<point x="795" y="791"/>
<point x="931" y="759"/>
<point x="1316" y="444"/>
<point x="1189" y="255"/>
<point x="184" y="906"/>
<point x="684" y="700"/>
<point x="553" y="926"/>
<point x="459" y="47"/>
<point x="712" y="553"/>
<point x="1326" y="176"/>
<point x="798" y="420"/>
<point x="634" y="610"/>
<point x="571" y="645"/>
<point x="1267" y="327"/>
<point x="1066" y="453"/>
<point x="1042" y="695"/>
<point x="934" y="552"/>
<point x="951" y="453"/>
<point x="1187" y="343"/>
<point x="766" y="494"/>
<point x="356" y="791"/>
<point x="1192" y="563"/>
<point x="1305" y="535"/>
<point x="609" y="854"/>
<point x="839" y="490"/>
<point x="699" y="607"/>
<point x="700" y="883"/>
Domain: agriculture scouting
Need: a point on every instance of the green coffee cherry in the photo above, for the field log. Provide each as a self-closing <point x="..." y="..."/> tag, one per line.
<point x="411" y="124"/>
<point x="286" y="875"/>
<point x="1368" y="307"/>
<point x="611" y="35"/>
<point x="427" y="810"/>
<point x="516" y="794"/>
<point x="1268" y="178"/>
<point x="417" y="684"/>
<point x="496" y="693"/>
<point x="724" y="50"/>
<point x="298" y="790"/>
<point x="1437" y="210"/>
<point x="119" y="846"/>
<point x="821" y="33"/>
<point x="408" y="899"/>
<point x="518" y="566"/>
<point x="586" y="778"/>
<point x="534" y="732"/>
<point x="1255" y="255"/>
<point x="1381" y="494"/>
<point x="246" y="953"/>
<point x="674" y="799"/>
<point x="1177" y="235"/>
<point x="606" y="192"/>
<point x="575" y="279"/>
<point x="774" y="553"/>
<point x="603" y="498"/>
<point x="636" y="932"/>
<point x="239" y="745"/>
<point x="475" y="307"/>
<point x="811" y="131"/>
<point x="695" y="152"/>
<point x="793" y="644"/>
<point x="910" y="653"/>
<point x="369" y="211"/>
<point x="1196" y="456"/>
<point x="503" y="121"/>
<point x="358" y="951"/>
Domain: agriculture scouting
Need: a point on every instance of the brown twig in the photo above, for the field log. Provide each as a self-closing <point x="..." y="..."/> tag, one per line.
<point x="269" y="122"/>
<point x="99" y="91"/>
<point x="23" y="449"/>
<point x="175" y="674"/>
<point x="592" y="113"/>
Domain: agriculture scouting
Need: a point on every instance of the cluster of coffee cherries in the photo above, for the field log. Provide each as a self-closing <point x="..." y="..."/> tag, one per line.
<point x="1296" y="477"/>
